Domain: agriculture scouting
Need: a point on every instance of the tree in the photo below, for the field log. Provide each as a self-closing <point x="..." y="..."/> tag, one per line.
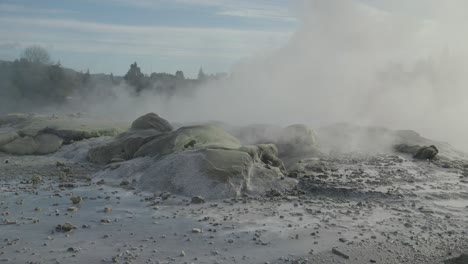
<point x="36" y="55"/>
<point x="201" y="75"/>
<point x="85" y="77"/>
<point x="135" y="78"/>
<point x="179" y="75"/>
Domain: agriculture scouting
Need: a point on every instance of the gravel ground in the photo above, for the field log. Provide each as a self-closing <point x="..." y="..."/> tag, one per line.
<point x="347" y="209"/>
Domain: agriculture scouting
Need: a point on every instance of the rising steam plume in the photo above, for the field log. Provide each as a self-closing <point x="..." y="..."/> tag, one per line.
<point x="400" y="64"/>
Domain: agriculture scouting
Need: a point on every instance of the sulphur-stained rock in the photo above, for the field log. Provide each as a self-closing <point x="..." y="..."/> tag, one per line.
<point x="152" y="121"/>
<point x="48" y="143"/>
<point x="205" y="136"/>
<point x="21" y="146"/>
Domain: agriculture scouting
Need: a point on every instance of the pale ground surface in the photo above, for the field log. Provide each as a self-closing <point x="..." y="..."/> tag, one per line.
<point x="379" y="209"/>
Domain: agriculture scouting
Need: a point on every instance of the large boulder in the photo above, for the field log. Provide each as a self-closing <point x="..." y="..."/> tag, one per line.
<point x="123" y="146"/>
<point x="152" y="121"/>
<point x="48" y="143"/>
<point x="185" y="138"/>
<point x="21" y="146"/>
<point x="211" y="173"/>
<point x="70" y="128"/>
<point x="202" y="160"/>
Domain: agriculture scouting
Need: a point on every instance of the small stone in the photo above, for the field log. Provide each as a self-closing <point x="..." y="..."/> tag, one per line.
<point x="182" y="253"/>
<point x="72" y="209"/>
<point x="116" y="160"/>
<point x="107" y="209"/>
<point x="36" y="179"/>
<point x="67" y="227"/>
<point x="76" y="199"/>
<point x="339" y="253"/>
<point x="198" y="200"/>
<point x="124" y="183"/>
<point x="196" y="230"/>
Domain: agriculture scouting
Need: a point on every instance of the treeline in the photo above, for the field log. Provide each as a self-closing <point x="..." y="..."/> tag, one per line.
<point x="165" y="83"/>
<point x="33" y="81"/>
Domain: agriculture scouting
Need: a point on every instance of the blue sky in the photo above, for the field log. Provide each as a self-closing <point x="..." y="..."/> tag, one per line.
<point x="161" y="35"/>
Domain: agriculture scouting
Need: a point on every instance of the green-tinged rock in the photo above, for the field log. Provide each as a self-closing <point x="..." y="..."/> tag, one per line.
<point x="21" y="146"/>
<point x="208" y="136"/>
<point x="48" y="143"/>
<point x="152" y="121"/>
<point x="7" y="136"/>
<point x="123" y="146"/>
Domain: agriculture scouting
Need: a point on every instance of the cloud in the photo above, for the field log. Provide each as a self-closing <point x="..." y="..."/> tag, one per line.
<point x="261" y="9"/>
<point x="9" y="45"/>
<point x="14" y="8"/>
<point x="81" y="36"/>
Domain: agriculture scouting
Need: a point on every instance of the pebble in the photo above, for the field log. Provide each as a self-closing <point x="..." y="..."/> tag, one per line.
<point x="339" y="253"/>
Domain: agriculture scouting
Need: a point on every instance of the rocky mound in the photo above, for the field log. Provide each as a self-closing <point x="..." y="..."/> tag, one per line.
<point x="26" y="134"/>
<point x="152" y="121"/>
<point x="347" y="138"/>
<point x="418" y="152"/>
<point x="196" y="160"/>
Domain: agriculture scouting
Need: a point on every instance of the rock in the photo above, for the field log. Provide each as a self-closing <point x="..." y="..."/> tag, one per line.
<point x="107" y="209"/>
<point x="418" y="152"/>
<point x="67" y="227"/>
<point x="196" y="230"/>
<point x="48" y="143"/>
<point x="124" y="183"/>
<point x="339" y="253"/>
<point x="190" y="144"/>
<point x="72" y="209"/>
<point x="210" y="173"/>
<point x="69" y="128"/>
<point x="7" y="136"/>
<point x="36" y="179"/>
<point x="76" y="199"/>
<point x="217" y="166"/>
<point x="21" y="146"/>
<point x="208" y="136"/>
<point x="426" y="153"/>
<point x="462" y="259"/>
<point x="152" y="121"/>
<point x="198" y="200"/>
<point x="122" y="148"/>
<point x="407" y="149"/>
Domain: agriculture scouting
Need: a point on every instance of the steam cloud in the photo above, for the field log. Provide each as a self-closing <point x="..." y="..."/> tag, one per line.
<point x="399" y="64"/>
